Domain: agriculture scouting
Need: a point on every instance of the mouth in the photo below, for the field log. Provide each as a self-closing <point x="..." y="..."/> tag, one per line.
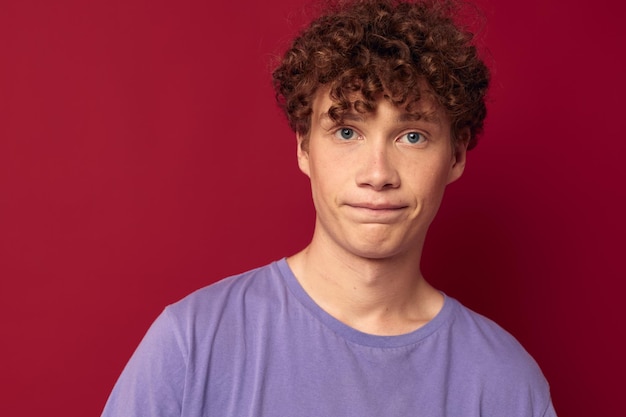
<point x="377" y="213"/>
<point x="377" y="207"/>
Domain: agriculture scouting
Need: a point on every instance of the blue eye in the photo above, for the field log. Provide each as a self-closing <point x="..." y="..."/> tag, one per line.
<point x="413" y="137"/>
<point x="345" y="133"/>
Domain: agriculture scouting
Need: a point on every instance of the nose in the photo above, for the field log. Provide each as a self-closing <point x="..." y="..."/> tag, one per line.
<point x="376" y="167"/>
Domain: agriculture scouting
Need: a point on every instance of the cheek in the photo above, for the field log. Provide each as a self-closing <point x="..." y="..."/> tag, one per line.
<point x="329" y="185"/>
<point x="429" y="182"/>
<point x="326" y="172"/>
<point x="429" y="170"/>
<point x="323" y="184"/>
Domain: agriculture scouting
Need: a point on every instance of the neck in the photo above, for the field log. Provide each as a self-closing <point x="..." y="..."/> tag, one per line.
<point x="378" y="296"/>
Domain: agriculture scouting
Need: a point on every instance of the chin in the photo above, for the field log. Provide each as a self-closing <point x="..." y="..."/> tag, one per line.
<point x="377" y="252"/>
<point x="383" y="246"/>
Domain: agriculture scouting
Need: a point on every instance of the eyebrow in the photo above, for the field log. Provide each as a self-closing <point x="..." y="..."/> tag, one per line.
<point x="428" y="117"/>
<point x="355" y="117"/>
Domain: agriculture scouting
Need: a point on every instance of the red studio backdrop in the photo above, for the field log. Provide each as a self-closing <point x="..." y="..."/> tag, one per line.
<point x="142" y="157"/>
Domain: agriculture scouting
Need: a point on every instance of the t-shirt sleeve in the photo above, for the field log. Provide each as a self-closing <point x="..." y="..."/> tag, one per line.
<point x="549" y="411"/>
<point x="152" y="382"/>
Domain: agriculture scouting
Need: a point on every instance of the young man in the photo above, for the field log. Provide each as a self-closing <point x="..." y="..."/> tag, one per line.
<point x="385" y="98"/>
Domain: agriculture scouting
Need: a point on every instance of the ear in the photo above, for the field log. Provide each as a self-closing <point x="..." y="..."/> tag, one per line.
<point x="459" y="156"/>
<point x="303" y="154"/>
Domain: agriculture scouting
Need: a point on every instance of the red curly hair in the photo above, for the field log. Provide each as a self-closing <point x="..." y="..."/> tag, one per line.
<point x="366" y="49"/>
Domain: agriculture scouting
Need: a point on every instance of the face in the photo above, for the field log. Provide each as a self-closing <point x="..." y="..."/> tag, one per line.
<point x="377" y="179"/>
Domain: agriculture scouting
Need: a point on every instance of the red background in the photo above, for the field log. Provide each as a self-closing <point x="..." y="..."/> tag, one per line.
<point x="142" y="156"/>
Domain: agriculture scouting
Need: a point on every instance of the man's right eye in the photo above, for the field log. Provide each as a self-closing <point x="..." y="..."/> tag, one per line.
<point x="345" y="133"/>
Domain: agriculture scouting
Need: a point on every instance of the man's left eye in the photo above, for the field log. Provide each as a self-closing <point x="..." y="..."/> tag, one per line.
<point x="413" y="137"/>
<point x="345" y="133"/>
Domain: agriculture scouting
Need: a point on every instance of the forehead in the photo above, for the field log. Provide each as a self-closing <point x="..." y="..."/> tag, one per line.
<point x="423" y="108"/>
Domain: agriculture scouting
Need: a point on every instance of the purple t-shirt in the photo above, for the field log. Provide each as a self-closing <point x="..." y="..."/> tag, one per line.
<point x="257" y="345"/>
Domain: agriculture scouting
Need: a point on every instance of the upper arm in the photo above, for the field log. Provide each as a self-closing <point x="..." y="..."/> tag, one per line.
<point x="152" y="382"/>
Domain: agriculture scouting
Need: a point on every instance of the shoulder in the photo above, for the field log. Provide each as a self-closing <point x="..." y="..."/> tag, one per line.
<point x="249" y="287"/>
<point x="488" y="343"/>
<point x="227" y="308"/>
<point x="498" y="361"/>
<point x="484" y="336"/>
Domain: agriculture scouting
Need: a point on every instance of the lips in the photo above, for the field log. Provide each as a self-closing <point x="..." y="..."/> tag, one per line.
<point x="376" y="212"/>
<point x="377" y="207"/>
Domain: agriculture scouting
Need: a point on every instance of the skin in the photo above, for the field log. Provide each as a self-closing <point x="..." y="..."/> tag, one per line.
<point x="377" y="181"/>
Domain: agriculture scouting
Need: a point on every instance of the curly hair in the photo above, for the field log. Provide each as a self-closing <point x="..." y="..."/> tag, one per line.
<point x="364" y="49"/>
